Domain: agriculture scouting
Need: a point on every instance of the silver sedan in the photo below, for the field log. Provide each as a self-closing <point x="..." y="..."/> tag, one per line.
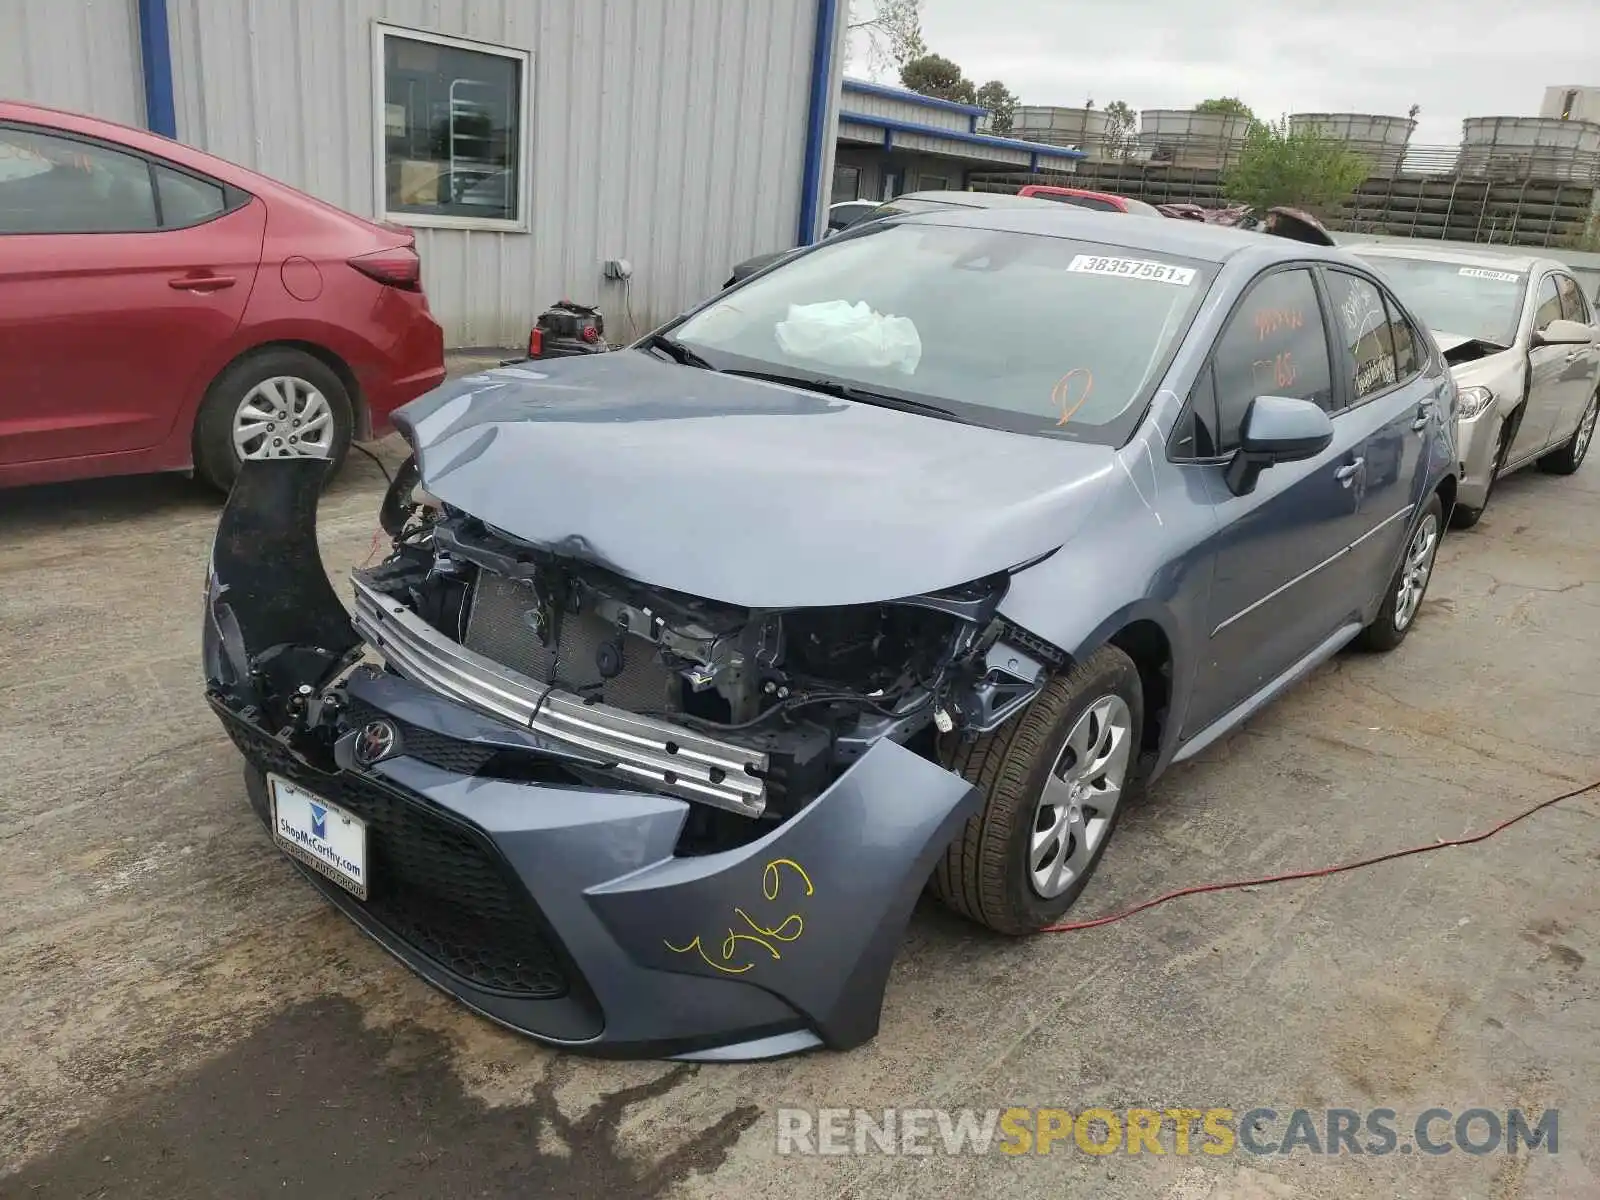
<point x="1519" y="336"/>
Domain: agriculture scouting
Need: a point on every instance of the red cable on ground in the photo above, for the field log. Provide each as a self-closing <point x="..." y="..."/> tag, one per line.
<point x="1319" y="872"/>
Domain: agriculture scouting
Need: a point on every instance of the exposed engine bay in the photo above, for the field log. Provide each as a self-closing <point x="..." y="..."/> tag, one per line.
<point x="803" y="691"/>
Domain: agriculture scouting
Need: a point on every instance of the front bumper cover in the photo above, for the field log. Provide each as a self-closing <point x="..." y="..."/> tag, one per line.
<point x="556" y="907"/>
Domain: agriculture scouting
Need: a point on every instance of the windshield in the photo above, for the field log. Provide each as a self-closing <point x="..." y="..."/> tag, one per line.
<point x="1468" y="300"/>
<point x="1018" y="331"/>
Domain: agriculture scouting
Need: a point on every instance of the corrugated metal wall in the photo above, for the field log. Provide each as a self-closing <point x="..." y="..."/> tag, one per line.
<point x="870" y="105"/>
<point x="667" y="132"/>
<point x="77" y="54"/>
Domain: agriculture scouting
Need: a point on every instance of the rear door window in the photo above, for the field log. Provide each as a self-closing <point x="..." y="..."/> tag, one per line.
<point x="51" y="184"/>
<point x="187" y="199"/>
<point x="1363" y="324"/>
<point x="1274" y="345"/>
<point x="1409" y="353"/>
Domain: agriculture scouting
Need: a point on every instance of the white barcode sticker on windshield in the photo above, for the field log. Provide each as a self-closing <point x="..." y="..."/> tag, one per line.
<point x="1132" y="268"/>
<point x="1484" y="273"/>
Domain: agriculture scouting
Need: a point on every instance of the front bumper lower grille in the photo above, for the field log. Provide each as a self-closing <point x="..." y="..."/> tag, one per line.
<point x="437" y="883"/>
<point x="666" y="756"/>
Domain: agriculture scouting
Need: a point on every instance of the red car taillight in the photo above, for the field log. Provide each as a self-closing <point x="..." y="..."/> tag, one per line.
<point x="398" y="267"/>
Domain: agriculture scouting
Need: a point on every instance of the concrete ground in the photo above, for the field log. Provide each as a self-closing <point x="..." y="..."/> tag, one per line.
<point x="183" y="1017"/>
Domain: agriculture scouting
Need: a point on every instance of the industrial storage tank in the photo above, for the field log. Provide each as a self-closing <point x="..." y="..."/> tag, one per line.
<point x="1381" y="140"/>
<point x="1055" y="126"/>
<point x="1181" y="137"/>
<point x="1546" y="148"/>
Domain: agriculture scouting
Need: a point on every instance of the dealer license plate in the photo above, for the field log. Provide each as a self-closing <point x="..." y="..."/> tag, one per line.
<point x="327" y="839"/>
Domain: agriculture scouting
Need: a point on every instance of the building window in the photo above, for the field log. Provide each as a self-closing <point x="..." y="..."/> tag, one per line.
<point x="934" y="183"/>
<point x="846" y="183"/>
<point x="452" y="120"/>
<point x="1568" y="103"/>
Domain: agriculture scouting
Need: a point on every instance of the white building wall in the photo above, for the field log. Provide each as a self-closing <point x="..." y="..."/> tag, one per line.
<point x="81" y="55"/>
<point x="1586" y="104"/>
<point x="667" y="132"/>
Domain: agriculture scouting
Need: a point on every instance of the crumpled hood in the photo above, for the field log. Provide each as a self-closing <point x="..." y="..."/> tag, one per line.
<point x="742" y="491"/>
<point x="1449" y="341"/>
<point x="1501" y="371"/>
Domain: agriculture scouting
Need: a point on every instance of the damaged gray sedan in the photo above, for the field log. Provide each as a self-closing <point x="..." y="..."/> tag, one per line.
<point x="900" y="566"/>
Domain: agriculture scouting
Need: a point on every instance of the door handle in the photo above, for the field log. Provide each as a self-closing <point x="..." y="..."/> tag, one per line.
<point x="1424" y="415"/>
<point x="1574" y="356"/>
<point x="1347" y="473"/>
<point x="201" y="283"/>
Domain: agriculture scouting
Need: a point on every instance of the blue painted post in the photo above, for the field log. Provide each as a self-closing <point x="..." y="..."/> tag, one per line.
<point x="155" y="57"/>
<point x="817" y="120"/>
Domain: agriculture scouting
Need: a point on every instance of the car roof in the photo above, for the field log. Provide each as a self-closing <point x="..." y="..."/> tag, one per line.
<point x="1469" y="258"/>
<point x="978" y="199"/>
<point x="1189" y="239"/>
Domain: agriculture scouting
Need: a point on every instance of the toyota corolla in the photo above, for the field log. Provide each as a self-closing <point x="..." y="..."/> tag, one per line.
<point x="905" y="565"/>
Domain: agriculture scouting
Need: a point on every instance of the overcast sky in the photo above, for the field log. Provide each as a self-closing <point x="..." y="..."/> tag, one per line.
<point x="1456" y="58"/>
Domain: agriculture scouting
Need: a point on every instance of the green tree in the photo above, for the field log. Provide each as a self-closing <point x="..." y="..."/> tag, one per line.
<point x="935" y="75"/>
<point x="1122" y="130"/>
<point x="1001" y="103"/>
<point x="1228" y="106"/>
<point x="888" y="31"/>
<point x="1304" y="169"/>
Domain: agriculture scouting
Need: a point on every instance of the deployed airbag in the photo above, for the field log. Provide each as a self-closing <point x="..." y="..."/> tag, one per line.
<point x="840" y="334"/>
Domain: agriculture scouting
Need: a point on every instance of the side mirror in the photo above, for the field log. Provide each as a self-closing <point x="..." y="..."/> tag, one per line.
<point x="1563" y="333"/>
<point x="1276" y="429"/>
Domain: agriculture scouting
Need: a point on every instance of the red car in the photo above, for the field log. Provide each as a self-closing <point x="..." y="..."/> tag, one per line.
<point x="1084" y="198"/>
<point x="161" y="309"/>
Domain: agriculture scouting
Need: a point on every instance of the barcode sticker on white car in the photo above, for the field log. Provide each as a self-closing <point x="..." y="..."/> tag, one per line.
<point x="1484" y="273"/>
<point x="1132" y="268"/>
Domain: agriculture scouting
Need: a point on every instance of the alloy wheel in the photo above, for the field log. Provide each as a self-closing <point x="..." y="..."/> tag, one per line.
<point x="1414" y="572"/>
<point x="1586" y="429"/>
<point x="1080" y="796"/>
<point x="283" y="417"/>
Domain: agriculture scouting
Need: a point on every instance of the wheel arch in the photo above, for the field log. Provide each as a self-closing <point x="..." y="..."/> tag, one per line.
<point x="1446" y="491"/>
<point x="359" y="414"/>
<point x="1147" y="644"/>
<point x="1146" y="633"/>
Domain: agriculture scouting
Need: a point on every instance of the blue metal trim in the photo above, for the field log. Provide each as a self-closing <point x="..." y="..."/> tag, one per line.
<point x="1033" y="163"/>
<point x="907" y="96"/>
<point x="155" y="59"/>
<point x="955" y="135"/>
<point x="888" y="139"/>
<point x="817" y="120"/>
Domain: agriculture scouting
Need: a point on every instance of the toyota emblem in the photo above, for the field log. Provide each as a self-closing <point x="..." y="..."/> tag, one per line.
<point x="375" y="742"/>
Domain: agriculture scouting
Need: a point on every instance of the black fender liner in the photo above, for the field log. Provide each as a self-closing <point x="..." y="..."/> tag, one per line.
<point x="275" y="620"/>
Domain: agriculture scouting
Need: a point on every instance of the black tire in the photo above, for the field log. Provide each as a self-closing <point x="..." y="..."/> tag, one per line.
<point x="215" y="458"/>
<point x="1463" y="517"/>
<point x="1569" y="457"/>
<point x="1386" y="631"/>
<point x="985" y="874"/>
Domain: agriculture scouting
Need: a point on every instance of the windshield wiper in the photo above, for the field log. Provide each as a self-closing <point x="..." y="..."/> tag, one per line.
<point x="846" y="391"/>
<point x="677" y="351"/>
